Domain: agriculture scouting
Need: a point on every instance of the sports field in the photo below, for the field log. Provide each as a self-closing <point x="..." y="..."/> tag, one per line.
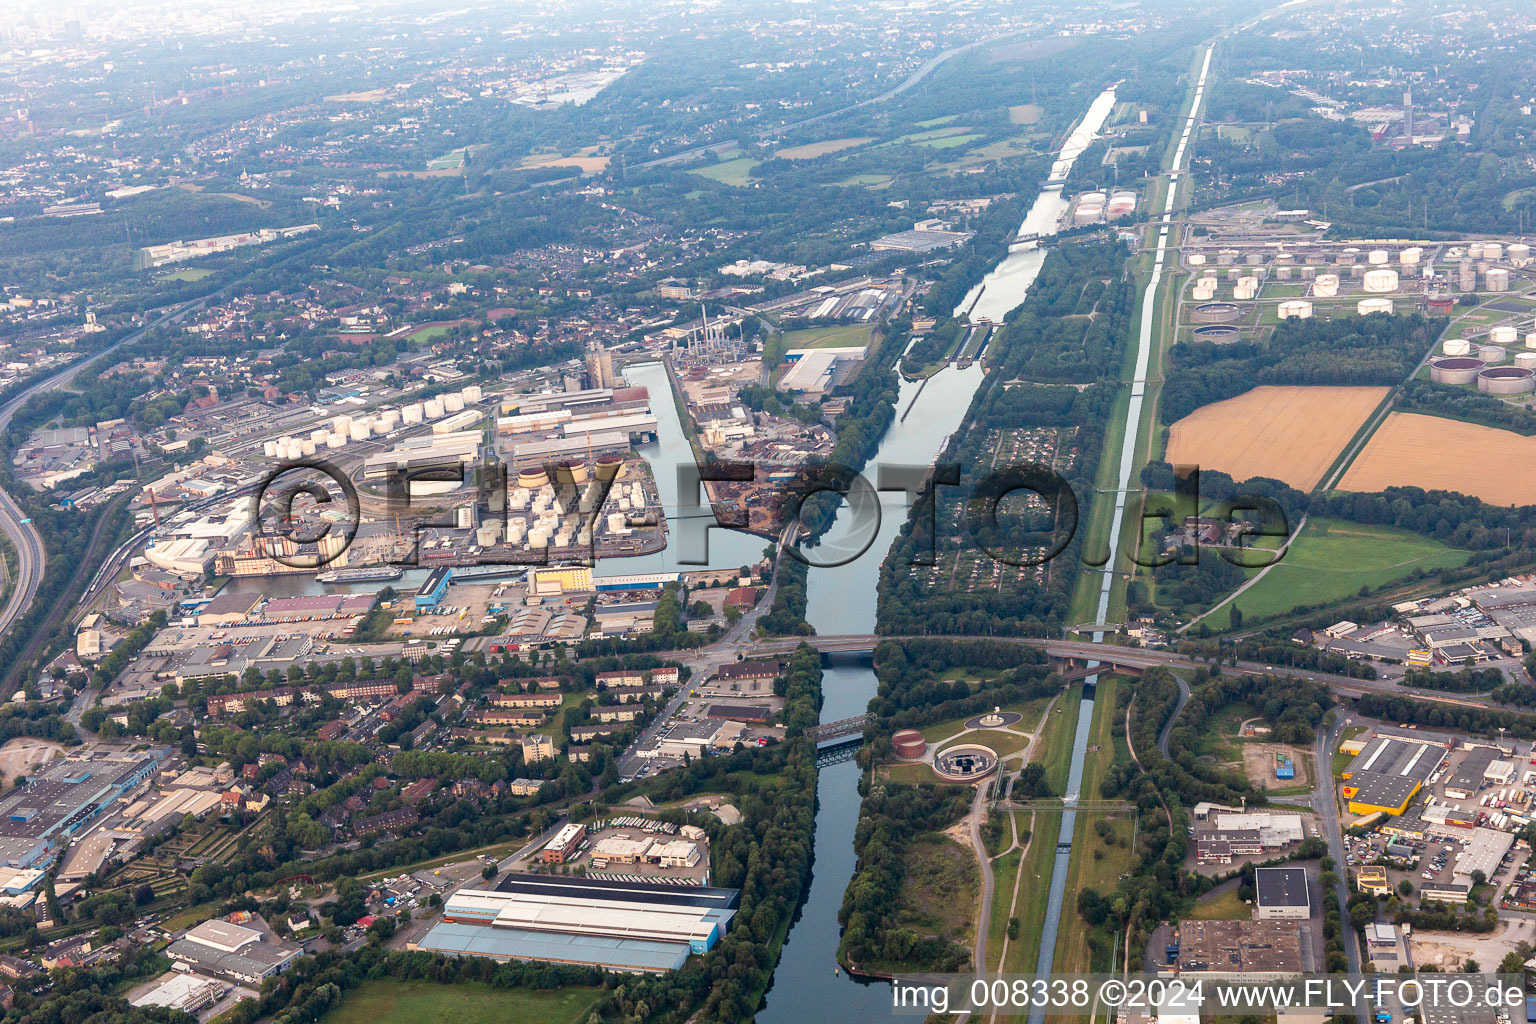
<point x="1415" y="450"/>
<point x="812" y="150"/>
<point x="423" y="1002"/>
<point x="1332" y="560"/>
<point x="1291" y="434"/>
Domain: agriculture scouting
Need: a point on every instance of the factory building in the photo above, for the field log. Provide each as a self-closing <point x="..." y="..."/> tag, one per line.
<point x="622" y="926"/>
<point x="1280" y="894"/>
<point x="233" y="951"/>
<point x="35" y="819"/>
<point x="1387" y="773"/>
<point x="1484" y="852"/>
<point x="432" y="590"/>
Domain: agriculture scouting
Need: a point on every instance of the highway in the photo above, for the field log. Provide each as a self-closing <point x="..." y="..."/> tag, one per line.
<point x="32" y="558"/>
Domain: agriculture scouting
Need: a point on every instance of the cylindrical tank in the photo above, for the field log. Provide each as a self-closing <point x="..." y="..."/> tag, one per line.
<point x="1282" y="273"/>
<point x="571" y="471"/>
<point x="1326" y="286"/>
<point x="1226" y="257"/>
<point x="1466" y="277"/>
<point x="1492" y="251"/>
<point x="1255" y="259"/>
<point x="1380" y="280"/>
<point x="1457" y="346"/>
<point x="472" y="393"/>
<point x="1492" y="353"/>
<point x="1504" y="334"/>
<point x="412" y="413"/>
<point x="269" y="449"/>
<point x="1411" y="256"/>
<point x="318" y="434"/>
<point x="1455" y="370"/>
<point x="1506" y="380"/>
<point x="453" y="403"/>
<point x="1347" y="257"/>
<point x="359" y="432"/>
<point x="909" y="744"/>
<point x="1208" y="281"/>
<point x="1519" y="254"/>
<point x="1215" y="313"/>
<point x="1368" y="306"/>
<point x="341" y="423"/>
<point x="307" y="447"/>
<point x="1475" y="251"/>
<point x="1525" y="359"/>
<point x="1195" y="259"/>
<point x="532" y="478"/>
<point x="1284" y="257"/>
<point x="615" y="522"/>
<point x="1497" y="279"/>
<point x="1378" y="257"/>
<point x="433" y="409"/>
<point x="1295" y="309"/>
<point x="336" y="440"/>
<point x="1530" y="340"/>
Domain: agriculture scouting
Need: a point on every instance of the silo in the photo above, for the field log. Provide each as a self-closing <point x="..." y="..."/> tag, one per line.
<point x="472" y="393"/>
<point x="412" y="413"/>
<point x="1457" y="346"/>
<point x="1519" y="254"/>
<point x="1195" y="259"/>
<point x="433" y="408"/>
<point x="453" y="403"/>
<point x="1504" y="334"/>
<point x="1368" y="306"/>
<point x="1497" y="279"/>
<point x="1411" y="257"/>
<point x="269" y="449"/>
<point x="1492" y="353"/>
<point x="517" y="529"/>
<point x="1378" y="257"/>
<point x="1295" y="309"/>
<point x="359" y="432"/>
<point x="1379" y="281"/>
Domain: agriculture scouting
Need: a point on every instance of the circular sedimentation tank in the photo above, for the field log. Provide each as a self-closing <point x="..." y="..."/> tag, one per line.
<point x="1506" y="380"/>
<point x="965" y="762"/>
<point x="1455" y="369"/>
<point x="909" y="744"/>
<point x="1217" y="334"/>
<point x="1216" y="312"/>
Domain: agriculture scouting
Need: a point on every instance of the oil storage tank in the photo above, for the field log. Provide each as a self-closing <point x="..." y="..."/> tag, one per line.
<point x="1506" y="380"/>
<point x="1379" y="281"/>
<point x="1368" y="306"/>
<point x="1295" y="309"/>
<point x="1455" y="369"/>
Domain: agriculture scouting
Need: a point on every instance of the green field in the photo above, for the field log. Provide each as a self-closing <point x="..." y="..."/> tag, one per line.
<point x="949" y="141"/>
<point x="842" y="336"/>
<point x="422" y="1002"/>
<point x="728" y="172"/>
<point x="868" y="180"/>
<point x="430" y="333"/>
<point x="189" y="274"/>
<point x="1332" y="560"/>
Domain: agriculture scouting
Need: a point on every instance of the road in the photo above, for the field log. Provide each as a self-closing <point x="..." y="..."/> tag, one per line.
<point x="984" y="918"/>
<point x="896" y="90"/>
<point x="1326" y="804"/>
<point x="1178" y="708"/>
<point x="1280" y="553"/>
<point x="31" y="557"/>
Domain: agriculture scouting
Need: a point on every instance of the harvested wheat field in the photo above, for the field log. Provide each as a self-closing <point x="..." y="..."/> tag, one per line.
<point x="1291" y="434"/>
<point x="811" y="150"/>
<point x="586" y="159"/>
<point x="1412" y="450"/>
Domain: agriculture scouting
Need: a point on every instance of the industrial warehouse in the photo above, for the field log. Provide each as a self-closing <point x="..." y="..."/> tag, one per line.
<point x="35" y="819"/>
<point x="1387" y="773"/>
<point x="618" y="925"/>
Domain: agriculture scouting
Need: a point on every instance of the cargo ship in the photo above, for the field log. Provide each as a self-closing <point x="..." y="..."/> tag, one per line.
<point x="362" y="574"/>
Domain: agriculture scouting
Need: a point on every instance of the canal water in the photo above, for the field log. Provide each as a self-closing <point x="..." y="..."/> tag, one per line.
<point x="843" y="599"/>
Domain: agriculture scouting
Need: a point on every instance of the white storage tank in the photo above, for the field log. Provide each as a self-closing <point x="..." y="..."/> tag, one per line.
<point x="1519" y="254"/>
<point x="341" y="423"/>
<point x="1457" y="346"/>
<point x="269" y="449"/>
<point x="1525" y="359"/>
<point x="1295" y="309"/>
<point x="1380" y="280"/>
<point x="336" y="441"/>
<point x="1195" y="259"/>
<point x="318" y="434"/>
<point x="433" y="408"/>
<point x="472" y="393"/>
<point x="1202" y="294"/>
<point x="1208" y="281"/>
<point x="412" y="413"/>
<point x="1378" y="257"/>
<point x="1503" y="335"/>
<point x="616" y="522"/>
<point x="1492" y="353"/>
<point x="1475" y="251"/>
<point x="1411" y="256"/>
<point x="1497" y="279"/>
<point x="1326" y="286"/>
<point x="359" y="432"/>
<point x="1368" y="306"/>
<point x="1492" y="251"/>
<point x="307" y="447"/>
<point x="453" y="403"/>
<point x="1530" y="340"/>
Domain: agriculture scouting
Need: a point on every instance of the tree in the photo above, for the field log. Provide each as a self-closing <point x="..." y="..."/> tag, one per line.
<point x="144" y="895"/>
<point x="1405" y="887"/>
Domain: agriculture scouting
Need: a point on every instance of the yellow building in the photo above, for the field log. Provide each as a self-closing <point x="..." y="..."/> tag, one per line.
<point x="556" y="580"/>
<point x="1373" y="880"/>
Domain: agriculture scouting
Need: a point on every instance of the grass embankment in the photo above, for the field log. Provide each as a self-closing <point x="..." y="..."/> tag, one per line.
<point x="423" y="1002"/>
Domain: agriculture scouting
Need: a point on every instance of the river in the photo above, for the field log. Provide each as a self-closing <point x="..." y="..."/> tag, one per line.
<point x="842" y="600"/>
